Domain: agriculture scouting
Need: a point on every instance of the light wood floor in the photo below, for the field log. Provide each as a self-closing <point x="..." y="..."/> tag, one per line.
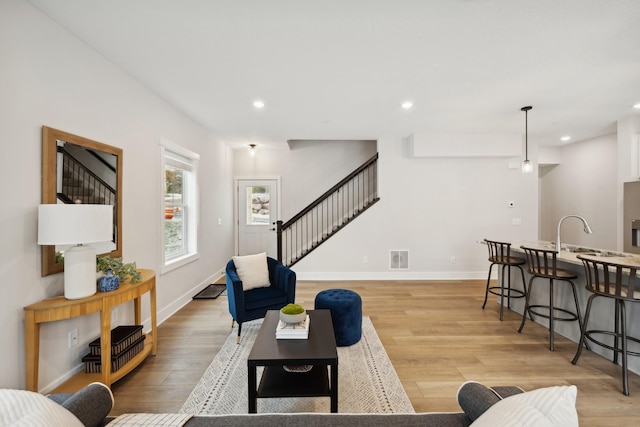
<point x="436" y="335"/>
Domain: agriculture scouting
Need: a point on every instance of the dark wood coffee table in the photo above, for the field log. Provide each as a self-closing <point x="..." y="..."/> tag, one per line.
<point x="318" y="350"/>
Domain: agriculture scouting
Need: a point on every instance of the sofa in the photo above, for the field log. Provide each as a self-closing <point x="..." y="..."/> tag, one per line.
<point x="481" y="406"/>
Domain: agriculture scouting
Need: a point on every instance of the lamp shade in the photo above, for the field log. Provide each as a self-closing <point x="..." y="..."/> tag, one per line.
<point x="76" y="225"/>
<point x="73" y="224"/>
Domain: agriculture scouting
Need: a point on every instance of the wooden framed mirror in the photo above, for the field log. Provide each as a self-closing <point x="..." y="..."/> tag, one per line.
<point x="80" y="170"/>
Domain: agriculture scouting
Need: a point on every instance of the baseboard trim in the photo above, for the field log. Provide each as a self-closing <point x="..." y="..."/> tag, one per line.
<point x="393" y="275"/>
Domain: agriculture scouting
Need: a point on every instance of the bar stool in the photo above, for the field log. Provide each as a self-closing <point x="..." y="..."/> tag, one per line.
<point x="619" y="282"/>
<point x="500" y="254"/>
<point x="542" y="264"/>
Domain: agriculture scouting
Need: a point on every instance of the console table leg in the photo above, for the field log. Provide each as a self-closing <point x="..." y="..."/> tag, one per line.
<point x="105" y="344"/>
<point x="32" y="350"/>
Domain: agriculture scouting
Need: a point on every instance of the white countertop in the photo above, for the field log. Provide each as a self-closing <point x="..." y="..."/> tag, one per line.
<point x="570" y="256"/>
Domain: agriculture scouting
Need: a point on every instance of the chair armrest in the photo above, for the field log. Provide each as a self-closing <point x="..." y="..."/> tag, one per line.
<point x="235" y="292"/>
<point x="282" y="277"/>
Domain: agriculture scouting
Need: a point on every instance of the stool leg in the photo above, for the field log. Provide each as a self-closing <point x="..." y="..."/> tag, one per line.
<point x="583" y="332"/>
<point x="623" y="337"/>
<point x="502" y="289"/>
<point x="486" y="292"/>
<point x="578" y="315"/>
<point x="526" y="305"/>
<point x="616" y="330"/>
<point x="551" y="317"/>
<point x="524" y="283"/>
<point x="509" y="288"/>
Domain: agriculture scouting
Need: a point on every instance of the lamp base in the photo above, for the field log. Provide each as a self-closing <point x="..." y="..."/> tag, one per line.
<point x="79" y="272"/>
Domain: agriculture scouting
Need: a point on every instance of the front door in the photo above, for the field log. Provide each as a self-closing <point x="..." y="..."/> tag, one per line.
<point x="257" y="214"/>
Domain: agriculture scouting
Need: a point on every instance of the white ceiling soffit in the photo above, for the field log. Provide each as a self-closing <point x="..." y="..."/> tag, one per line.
<point x="340" y="69"/>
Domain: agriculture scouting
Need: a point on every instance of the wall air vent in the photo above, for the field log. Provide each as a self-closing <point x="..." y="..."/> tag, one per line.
<point x="399" y="260"/>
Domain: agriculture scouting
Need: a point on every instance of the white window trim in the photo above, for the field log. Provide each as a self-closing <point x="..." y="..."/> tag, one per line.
<point x="194" y="218"/>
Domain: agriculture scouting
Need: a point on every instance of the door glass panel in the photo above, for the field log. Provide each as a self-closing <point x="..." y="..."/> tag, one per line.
<point x="258" y="205"/>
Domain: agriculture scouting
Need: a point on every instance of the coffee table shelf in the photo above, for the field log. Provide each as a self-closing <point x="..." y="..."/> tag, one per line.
<point x="276" y="382"/>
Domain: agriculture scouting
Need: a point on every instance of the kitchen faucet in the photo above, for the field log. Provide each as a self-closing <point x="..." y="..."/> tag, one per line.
<point x="587" y="229"/>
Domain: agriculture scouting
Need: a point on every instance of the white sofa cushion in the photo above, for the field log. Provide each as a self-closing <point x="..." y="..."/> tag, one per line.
<point x="27" y="408"/>
<point x="252" y="270"/>
<point x="544" y="407"/>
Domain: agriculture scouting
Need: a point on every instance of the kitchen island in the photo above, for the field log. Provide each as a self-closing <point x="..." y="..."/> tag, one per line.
<point x="602" y="311"/>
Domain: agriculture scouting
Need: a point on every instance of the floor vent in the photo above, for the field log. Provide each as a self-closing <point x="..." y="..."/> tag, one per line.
<point x="399" y="260"/>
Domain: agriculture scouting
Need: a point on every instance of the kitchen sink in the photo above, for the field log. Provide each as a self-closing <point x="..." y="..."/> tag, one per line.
<point x="593" y="252"/>
<point x="580" y="250"/>
<point x="605" y="254"/>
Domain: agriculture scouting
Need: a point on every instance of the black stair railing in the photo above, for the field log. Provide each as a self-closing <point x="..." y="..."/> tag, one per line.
<point x="328" y="214"/>
<point x="81" y="185"/>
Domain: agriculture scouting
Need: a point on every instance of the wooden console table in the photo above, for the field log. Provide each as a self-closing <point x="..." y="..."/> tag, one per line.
<point x="59" y="308"/>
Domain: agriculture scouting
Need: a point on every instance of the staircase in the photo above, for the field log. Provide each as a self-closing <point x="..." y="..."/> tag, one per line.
<point x="328" y="214"/>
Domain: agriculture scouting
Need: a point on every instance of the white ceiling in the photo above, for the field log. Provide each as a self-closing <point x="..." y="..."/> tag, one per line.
<point x="339" y="69"/>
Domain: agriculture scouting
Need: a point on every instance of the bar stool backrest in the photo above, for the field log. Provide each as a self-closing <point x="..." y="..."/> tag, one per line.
<point x="611" y="279"/>
<point x="541" y="262"/>
<point x="499" y="252"/>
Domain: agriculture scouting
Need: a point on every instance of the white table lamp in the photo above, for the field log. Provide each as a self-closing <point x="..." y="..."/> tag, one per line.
<point x="74" y="224"/>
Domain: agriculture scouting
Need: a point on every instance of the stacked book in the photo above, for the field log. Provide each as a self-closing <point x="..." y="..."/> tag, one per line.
<point x="293" y="331"/>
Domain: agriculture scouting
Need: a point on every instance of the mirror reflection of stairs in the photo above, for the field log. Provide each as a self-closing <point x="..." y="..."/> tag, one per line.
<point x="82" y="185"/>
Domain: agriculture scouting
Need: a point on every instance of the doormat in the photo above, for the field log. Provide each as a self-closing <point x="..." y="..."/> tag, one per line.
<point x="211" y="292"/>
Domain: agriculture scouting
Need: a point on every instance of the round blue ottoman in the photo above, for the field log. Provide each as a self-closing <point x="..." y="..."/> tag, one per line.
<point x="346" y="314"/>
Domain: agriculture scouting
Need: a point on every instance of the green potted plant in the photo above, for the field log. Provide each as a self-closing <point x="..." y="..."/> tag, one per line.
<point x="293" y="313"/>
<point x="105" y="264"/>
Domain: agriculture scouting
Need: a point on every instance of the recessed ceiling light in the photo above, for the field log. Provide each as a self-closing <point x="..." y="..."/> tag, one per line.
<point x="565" y="138"/>
<point x="407" y="105"/>
<point x="258" y="104"/>
<point x="637" y="106"/>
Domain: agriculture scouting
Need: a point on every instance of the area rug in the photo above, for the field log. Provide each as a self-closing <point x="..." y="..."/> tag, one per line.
<point x="367" y="382"/>
<point x="212" y="291"/>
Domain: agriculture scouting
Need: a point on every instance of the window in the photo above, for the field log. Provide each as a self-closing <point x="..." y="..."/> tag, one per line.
<point x="258" y="205"/>
<point x="179" y="206"/>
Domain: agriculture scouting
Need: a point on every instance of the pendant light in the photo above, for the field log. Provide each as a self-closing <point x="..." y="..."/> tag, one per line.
<point x="527" y="166"/>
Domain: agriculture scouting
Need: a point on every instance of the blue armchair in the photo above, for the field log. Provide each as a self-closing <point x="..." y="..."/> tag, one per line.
<point x="253" y="304"/>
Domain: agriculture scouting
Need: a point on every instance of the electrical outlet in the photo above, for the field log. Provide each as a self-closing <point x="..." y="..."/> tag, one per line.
<point x="453" y="260"/>
<point x="114" y="314"/>
<point x="365" y="259"/>
<point x="73" y="338"/>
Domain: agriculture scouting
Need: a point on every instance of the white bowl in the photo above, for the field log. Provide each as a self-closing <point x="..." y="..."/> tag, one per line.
<point x="293" y="318"/>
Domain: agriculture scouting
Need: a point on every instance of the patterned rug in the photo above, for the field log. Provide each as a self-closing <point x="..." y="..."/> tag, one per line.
<point x="367" y="381"/>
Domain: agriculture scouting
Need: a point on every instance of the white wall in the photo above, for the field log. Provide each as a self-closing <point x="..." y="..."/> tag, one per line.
<point x="307" y="169"/>
<point x="436" y="208"/>
<point x="583" y="183"/>
<point x="48" y="77"/>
